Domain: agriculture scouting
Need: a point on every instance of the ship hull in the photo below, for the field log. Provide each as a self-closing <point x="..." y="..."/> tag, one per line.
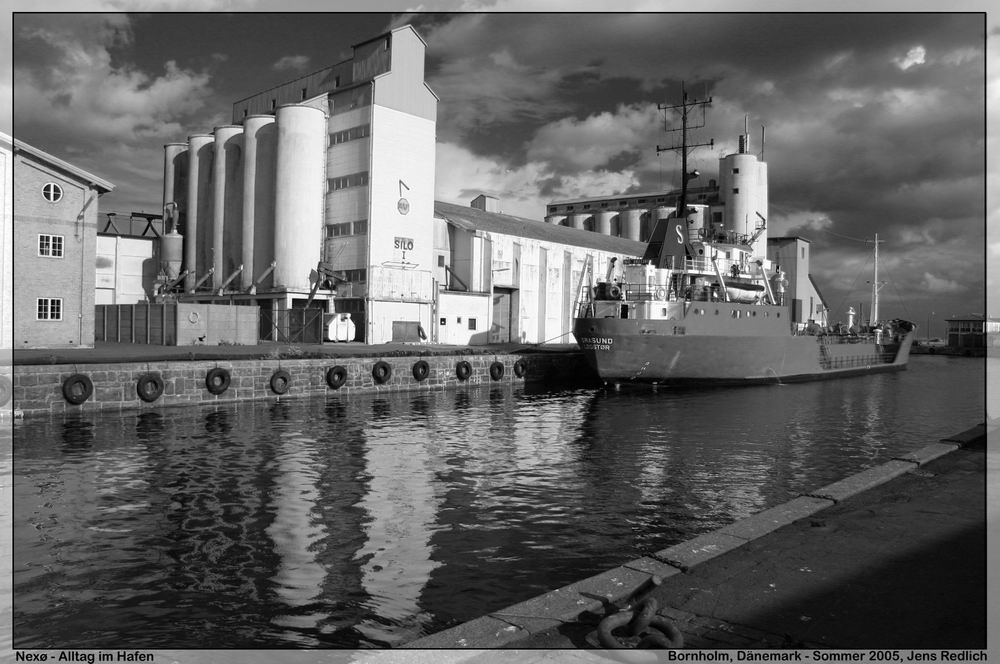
<point x="644" y="351"/>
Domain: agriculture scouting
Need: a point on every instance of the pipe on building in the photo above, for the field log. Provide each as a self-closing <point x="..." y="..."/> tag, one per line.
<point x="300" y="184"/>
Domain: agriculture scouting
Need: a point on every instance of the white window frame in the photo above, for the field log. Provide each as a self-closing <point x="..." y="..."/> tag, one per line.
<point x="52" y="192"/>
<point x="44" y="309"/>
<point x="47" y="245"/>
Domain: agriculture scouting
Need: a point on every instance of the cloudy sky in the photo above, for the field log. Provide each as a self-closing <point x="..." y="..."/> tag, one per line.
<point x="875" y="122"/>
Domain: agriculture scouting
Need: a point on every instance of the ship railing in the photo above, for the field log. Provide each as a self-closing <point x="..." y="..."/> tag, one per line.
<point x="835" y="339"/>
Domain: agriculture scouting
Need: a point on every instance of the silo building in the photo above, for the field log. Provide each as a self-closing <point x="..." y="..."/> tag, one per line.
<point x="318" y="196"/>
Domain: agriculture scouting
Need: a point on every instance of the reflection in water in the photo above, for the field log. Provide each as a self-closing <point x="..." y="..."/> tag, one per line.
<point x="401" y="506"/>
<point x="369" y="520"/>
<point x="295" y="531"/>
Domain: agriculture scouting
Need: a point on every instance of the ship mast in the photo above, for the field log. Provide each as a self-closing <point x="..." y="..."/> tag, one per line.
<point x="684" y="109"/>
<point x="875" y="285"/>
<point x="658" y="252"/>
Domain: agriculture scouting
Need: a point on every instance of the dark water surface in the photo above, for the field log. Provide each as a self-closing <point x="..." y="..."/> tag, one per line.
<point x="371" y="520"/>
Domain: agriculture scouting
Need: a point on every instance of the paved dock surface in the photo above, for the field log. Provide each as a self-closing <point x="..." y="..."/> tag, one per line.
<point x="900" y="565"/>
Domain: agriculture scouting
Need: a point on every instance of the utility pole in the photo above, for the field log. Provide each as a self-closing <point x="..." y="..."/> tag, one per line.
<point x="684" y="109"/>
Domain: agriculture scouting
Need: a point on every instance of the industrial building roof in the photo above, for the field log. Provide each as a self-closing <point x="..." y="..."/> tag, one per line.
<point x="473" y="219"/>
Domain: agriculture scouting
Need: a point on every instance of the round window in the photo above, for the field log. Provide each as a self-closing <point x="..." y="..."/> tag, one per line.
<point x="52" y="192"/>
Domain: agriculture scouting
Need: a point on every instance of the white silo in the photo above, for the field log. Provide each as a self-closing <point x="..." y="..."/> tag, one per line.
<point x="579" y="220"/>
<point x="631" y="223"/>
<point x="555" y="219"/>
<point x="259" y="144"/>
<point x="300" y="177"/>
<point x="198" y="219"/>
<point x="227" y="202"/>
<point x="175" y="173"/>
<point x="603" y="222"/>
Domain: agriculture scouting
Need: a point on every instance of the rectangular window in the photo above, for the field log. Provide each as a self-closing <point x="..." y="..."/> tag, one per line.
<point x="50" y="246"/>
<point x="472" y="323"/>
<point x="360" y="227"/>
<point x="336" y="230"/>
<point x="440" y="261"/>
<point x="348" y="181"/>
<point x="736" y="190"/>
<point x="351" y="134"/>
<point x="49" y="308"/>
<point x="303" y="93"/>
<point x="736" y="171"/>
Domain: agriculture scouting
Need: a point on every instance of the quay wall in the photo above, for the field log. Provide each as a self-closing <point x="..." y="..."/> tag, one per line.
<point x="38" y="389"/>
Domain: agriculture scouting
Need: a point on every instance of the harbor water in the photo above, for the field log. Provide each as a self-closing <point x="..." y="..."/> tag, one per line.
<point x="372" y="520"/>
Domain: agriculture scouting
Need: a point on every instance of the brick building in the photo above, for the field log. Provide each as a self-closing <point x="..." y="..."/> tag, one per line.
<point x="54" y="239"/>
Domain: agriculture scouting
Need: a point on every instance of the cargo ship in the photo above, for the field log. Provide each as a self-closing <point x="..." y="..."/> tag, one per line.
<point x="706" y="306"/>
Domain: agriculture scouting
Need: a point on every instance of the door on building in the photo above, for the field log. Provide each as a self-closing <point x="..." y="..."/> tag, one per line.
<point x="500" y="331"/>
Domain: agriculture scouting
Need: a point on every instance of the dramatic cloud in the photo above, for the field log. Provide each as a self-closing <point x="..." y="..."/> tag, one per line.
<point x="291" y="62"/>
<point x="97" y="112"/>
<point x="523" y="190"/>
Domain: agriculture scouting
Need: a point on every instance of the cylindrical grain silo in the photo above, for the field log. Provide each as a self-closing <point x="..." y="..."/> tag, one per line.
<point x="175" y="174"/>
<point x="259" y="143"/>
<point x="630" y="223"/>
<point x="300" y="177"/>
<point x="579" y="220"/>
<point x="647" y="221"/>
<point x="199" y="209"/>
<point x="603" y="222"/>
<point x="555" y="219"/>
<point x="227" y="202"/>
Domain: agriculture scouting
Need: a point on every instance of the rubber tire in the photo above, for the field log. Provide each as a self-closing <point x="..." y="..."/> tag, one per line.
<point x="336" y="376"/>
<point x="520" y="368"/>
<point x="381" y="372"/>
<point x="149" y="387"/>
<point x="421" y="370"/>
<point x="220" y="386"/>
<point x="463" y="370"/>
<point x="280" y="380"/>
<point x="496" y="370"/>
<point x="77" y="388"/>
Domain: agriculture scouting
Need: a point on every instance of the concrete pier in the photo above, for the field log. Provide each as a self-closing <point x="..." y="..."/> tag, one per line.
<point x="892" y="557"/>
